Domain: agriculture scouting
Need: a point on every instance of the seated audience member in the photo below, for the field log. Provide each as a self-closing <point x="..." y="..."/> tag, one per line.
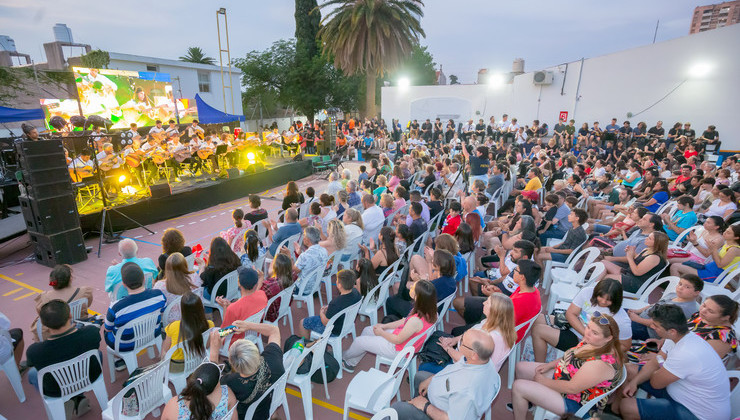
<point x="682" y="219"/>
<point x="257" y="213"/>
<point x="11" y="345"/>
<point x="687" y="379"/>
<point x="236" y="230"/>
<point x="60" y="279"/>
<point x="173" y="241"/>
<point x="605" y="297"/>
<point x="649" y="223"/>
<point x="501" y="279"/>
<point x="353" y="228"/>
<point x="313" y="258"/>
<point x="177" y="281"/>
<point x="366" y="277"/>
<point x="418" y="226"/>
<point x="127" y="249"/>
<point x="415" y="197"/>
<point x="253" y="250"/>
<point x="202" y="397"/>
<point x="592" y="367"/>
<point x="372" y="217"/>
<point x="723" y="256"/>
<point x="292" y="196"/>
<point x="388" y="339"/>
<point x="348" y="296"/>
<point x="281" y="277"/>
<point x="724" y="205"/>
<point x="453" y="219"/>
<point x="188" y="329"/>
<point x="424" y="265"/>
<point x="465" y="238"/>
<point x="139" y="302"/>
<point x="561" y="223"/>
<point x="382" y="188"/>
<point x="403" y="238"/>
<point x="291" y="227"/>
<point x="386" y="253"/>
<point x="221" y="261"/>
<point x="688" y="290"/>
<point x="576" y="237"/>
<point x="442" y="271"/>
<point x="66" y="341"/>
<point x="251" y="373"/>
<point x="641" y="267"/>
<point x="435" y="202"/>
<point x="463" y="390"/>
<point x="714" y="323"/>
<point x="526" y="298"/>
<point x="386" y="204"/>
<point x="334" y="184"/>
<point x="335" y="238"/>
<point x="659" y="197"/>
<point x="252" y="299"/>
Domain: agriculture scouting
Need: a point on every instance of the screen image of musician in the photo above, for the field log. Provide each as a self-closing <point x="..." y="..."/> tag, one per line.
<point x="65" y="108"/>
<point x="126" y="97"/>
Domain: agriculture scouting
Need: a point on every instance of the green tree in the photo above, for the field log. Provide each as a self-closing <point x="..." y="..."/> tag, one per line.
<point x="307" y="24"/>
<point x="453" y="80"/>
<point x="96" y="59"/>
<point x="196" y="55"/>
<point x="371" y="37"/>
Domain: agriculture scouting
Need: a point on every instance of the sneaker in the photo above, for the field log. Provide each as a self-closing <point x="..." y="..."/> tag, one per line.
<point x="510" y="407"/>
<point x="349" y="368"/>
<point x="120" y="365"/>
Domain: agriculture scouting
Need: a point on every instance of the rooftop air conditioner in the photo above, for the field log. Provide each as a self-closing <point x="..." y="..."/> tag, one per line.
<point x="542" y="78"/>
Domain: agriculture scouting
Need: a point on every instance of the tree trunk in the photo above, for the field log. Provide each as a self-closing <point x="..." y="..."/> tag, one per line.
<point x="371" y="79"/>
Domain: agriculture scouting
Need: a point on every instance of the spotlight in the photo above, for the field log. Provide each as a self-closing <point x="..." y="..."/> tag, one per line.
<point x="496" y="80"/>
<point x="404" y="82"/>
<point x="57" y="122"/>
<point x="121" y="179"/>
<point x="699" y="70"/>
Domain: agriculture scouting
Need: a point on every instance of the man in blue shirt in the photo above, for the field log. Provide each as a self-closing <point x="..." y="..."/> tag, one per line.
<point x="496" y="181"/>
<point x="127" y="249"/>
<point x="354" y="198"/>
<point x="289" y="228"/>
<point x="560" y="223"/>
<point x="418" y="226"/>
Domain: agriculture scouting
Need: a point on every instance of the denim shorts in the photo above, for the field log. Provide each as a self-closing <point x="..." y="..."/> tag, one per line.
<point x="571" y="406"/>
<point x="662" y="406"/>
<point x="558" y="257"/>
<point x="313" y="323"/>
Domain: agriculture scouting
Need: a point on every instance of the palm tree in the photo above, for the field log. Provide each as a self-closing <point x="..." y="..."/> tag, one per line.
<point x="371" y="37"/>
<point x="196" y="55"/>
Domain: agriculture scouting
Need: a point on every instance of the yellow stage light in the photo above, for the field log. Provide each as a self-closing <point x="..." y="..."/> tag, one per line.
<point x="121" y="178"/>
<point x="250" y="156"/>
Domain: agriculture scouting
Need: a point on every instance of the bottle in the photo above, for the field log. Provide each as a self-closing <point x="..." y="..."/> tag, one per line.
<point x="299" y="345"/>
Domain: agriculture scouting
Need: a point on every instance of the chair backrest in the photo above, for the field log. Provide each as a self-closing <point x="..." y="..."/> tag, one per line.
<point x="348" y="323"/>
<point x="277" y="390"/>
<point x="284" y="297"/>
<point x="444" y="305"/>
<point x="666" y="207"/>
<point x="143" y="328"/>
<point x="583" y="411"/>
<point x="376" y="296"/>
<point x="232" y="286"/>
<point x="590" y="274"/>
<point x="649" y="281"/>
<point x="75" y="308"/>
<point x="318" y="349"/>
<point x="436" y="222"/>
<point x="388" y="388"/>
<point x="671" y="288"/>
<point x="303" y="210"/>
<point x="249" y="335"/>
<point x="72" y="375"/>
<point x="305" y="278"/>
<point x="677" y="242"/>
<point x="191" y="359"/>
<point x="168" y="309"/>
<point x="290" y="243"/>
<point x="526" y="326"/>
<point x="149" y="390"/>
<point x="393" y="214"/>
<point x="587" y="256"/>
<point x="340" y="256"/>
<point x="237" y="243"/>
<point x="261" y="229"/>
<point x="386" y="414"/>
<point x="190" y="259"/>
<point x="728" y="275"/>
<point x="735" y="394"/>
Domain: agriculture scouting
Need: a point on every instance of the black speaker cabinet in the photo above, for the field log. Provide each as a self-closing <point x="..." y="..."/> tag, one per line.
<point x="66" y="247"/>
<point x="160" y="190"/>
<point x="232" y="173"/>
<point x="50" y="215"/>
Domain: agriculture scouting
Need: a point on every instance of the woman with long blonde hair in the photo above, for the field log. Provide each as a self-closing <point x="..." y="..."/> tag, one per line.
<point x="336" y="238"/>
<point x="177" y="281"/>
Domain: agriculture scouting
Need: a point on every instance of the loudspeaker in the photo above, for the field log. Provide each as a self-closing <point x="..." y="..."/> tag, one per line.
<point x="43" y="168"/>
<point x="298" y="157"/>
<point x="232" y="173"/>
<point x="66" y="247"/>
<point x="330" y="135"/>
<point x="160" y="190"/>
<point x="50" y="215"/>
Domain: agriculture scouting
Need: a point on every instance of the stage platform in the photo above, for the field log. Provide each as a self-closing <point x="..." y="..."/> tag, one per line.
<point x="197" y="194"/>
<point x="12" y="226"/>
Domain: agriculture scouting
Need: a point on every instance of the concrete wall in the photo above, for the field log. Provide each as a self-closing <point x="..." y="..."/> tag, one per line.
<point x="612" y="85"/>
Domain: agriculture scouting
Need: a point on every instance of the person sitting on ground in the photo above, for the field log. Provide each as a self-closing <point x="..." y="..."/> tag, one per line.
<point x="252" y="299"/>
<point x="257" y="213"/>
<point x="172" y="241"/>
<point x="139" y="302"/>
<point x="177" y="281"/>
<point x="187" y="329"/>
<point x="723" y="257"/>
<point x="60" y="279"/>
<point x="387" y="340"/>
<point x="221" y="261"/>
<point x="465" y="388"/>
<point x="575" y="238"/>
<point x="593" y="367"/>
<point x="688" y="289"/>
<point x="291" y="227"/>
<point x="236" y="230"/>
<point x="66" y="341"/>
<point x="605" y="297"/>
<point x="348" y="296"/>
<point x="128" y="249"/>
<point x="686" y="379"/>
<point x="202" y="398"/>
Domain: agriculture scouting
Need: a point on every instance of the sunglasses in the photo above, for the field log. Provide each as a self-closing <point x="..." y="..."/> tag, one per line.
<point x="600" y="317"/>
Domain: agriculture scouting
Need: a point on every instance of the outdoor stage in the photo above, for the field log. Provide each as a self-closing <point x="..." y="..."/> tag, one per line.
<point x="198" y="194"/>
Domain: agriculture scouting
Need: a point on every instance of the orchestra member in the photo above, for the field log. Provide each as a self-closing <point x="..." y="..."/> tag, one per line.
<point x="110" y="165"/>
<point x="81" y="167"/>
<point x="30" y="132"/>
<point x="157" y="128"/>
<point x="195" y="130"/>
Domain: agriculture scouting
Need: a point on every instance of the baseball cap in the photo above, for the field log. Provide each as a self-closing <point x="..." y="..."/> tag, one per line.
<point x="248" y="277"/>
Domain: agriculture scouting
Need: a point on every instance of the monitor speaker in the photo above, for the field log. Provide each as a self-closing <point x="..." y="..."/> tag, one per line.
<point x="66" y="247"/>
<point x="232" y="173"/>
<point x="160" y="190"/>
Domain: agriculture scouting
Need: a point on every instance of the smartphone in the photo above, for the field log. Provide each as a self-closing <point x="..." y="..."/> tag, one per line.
<point x="223" y="332"/>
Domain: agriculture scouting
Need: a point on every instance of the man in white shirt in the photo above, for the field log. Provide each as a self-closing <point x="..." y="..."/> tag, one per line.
<point x="503" y="128"/>
<point x="157" y="128"/>
<point x="195" y="130"/>
<point x="172" y="130"/>
<point x="687" y="378"/>
<point x="468" y="130"/>
<point x="334" y="185"/>
<point x="463" y="390"/>
<point x="372" y="218"/>
<point x="81" y="167"/>
<point x="454" y="180"/>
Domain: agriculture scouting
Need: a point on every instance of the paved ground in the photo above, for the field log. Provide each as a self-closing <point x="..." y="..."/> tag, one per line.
<point x="19" y="284"/>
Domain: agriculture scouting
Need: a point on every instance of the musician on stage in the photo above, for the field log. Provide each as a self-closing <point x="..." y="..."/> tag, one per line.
<point x="109" y="164"/>
<point x="134" y="131"/>
<point x="274" y="140"/>
<point x="81" y="167"/>
<point x="195" y="130"/>
<point x="290" y="139"/>
<point x="157" y="128"/>
<point x="172" y="130"/>
<point x="30" y="133"/>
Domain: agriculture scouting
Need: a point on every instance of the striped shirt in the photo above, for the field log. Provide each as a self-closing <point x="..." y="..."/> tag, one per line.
<point x="129" y="308"/>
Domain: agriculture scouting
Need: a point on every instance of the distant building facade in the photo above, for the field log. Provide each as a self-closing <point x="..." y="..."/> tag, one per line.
<point x="715" y="16"/>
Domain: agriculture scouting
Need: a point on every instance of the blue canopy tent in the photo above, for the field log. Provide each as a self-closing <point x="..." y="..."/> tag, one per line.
<point x="210" y="115"/>
<point x="8" y="115"/>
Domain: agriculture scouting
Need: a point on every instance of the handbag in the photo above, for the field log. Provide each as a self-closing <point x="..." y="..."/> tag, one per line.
<point x="559" y="320"/>
<point x="432" y="352"/>
<point x="678" y="253"/>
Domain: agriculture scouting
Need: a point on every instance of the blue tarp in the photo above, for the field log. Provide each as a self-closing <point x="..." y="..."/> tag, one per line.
<point x="13" y="115"/>
<point x="210" y="115"/>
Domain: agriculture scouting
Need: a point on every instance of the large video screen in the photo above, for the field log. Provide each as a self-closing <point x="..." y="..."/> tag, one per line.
<point x="65" y="108"/>
<point x="126" y="97"/>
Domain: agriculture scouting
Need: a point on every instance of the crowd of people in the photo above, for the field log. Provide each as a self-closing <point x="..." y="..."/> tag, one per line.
<point x="473" y="213"/>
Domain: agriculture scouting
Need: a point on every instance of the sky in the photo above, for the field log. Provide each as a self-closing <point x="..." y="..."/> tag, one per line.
<point x="462" y="35"/>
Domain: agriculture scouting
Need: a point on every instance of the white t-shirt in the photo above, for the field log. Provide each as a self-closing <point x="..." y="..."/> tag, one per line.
<point x="372" y="219"/>
<point x="599" y="172"/>
<point x="718" y="209"/>
<point x="583" y="301"/>
<point x="354" y="236"/>
<point x="703" y="386"/>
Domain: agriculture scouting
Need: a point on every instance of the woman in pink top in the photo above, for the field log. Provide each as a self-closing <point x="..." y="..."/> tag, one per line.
<point x="398" y="196"/>
<point x="388" y="339"/>
<point x="395" y="178"/>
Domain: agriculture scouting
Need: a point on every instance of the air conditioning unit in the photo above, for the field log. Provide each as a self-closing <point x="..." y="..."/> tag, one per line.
<point x="542" y="78"/>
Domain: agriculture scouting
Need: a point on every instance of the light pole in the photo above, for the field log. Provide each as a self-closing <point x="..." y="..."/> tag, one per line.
<point x="224" y="86"/>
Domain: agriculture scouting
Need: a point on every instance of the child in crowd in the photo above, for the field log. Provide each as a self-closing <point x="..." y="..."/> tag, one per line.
<point x="348" y="296"/>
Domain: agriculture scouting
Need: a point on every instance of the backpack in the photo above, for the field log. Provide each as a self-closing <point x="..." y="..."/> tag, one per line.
<point x="330" y="363"/>
<point x="432" y="352"/>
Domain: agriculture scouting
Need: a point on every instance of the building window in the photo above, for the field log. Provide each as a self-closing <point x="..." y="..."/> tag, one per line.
<point x="152" y="67"/>
<point x="204" y="81"/>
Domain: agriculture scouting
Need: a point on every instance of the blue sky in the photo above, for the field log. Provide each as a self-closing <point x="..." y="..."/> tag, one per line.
<point x="463" y="35"/>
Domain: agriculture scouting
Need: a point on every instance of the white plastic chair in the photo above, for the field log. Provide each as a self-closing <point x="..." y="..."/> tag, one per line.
<point x="348" y="327"/>
<point x="337" y="258"/>
<point x="676" y="243"/>
<point x="566" y="271"/>
<point x="540" y="413"/>
<point x="423" y="337"/>
<point x="468" y="256"/>
<point x="387" y="414"/>
<point x="443" y="307"/>
<point x="75" y="309"/>
<point x="284" y="311"/>
<point x="645" y="285"/>
<point x="11" y="370"/>
<point x="306" y="295"/>
<point x="249" y="335"/>
<point x="515" y="351"/>
<point x="190" y="362"/>
<point x="374" y="300"/>
<point x="303" y="381"/>
<point x="371" y="391"/>
<point x="565" y="292"/>
<point x="168" y="309"/>
<point x="719" y="286"/>
<point x="390" y="217"/>
<point x="119" y="291"/>
<point x="642" y="300"/>
<point x="190" y="259"/>
<point x="279" y="398"/>
<point x="232" y="292"/>
<point x="152" y="392"/>
<point x="735" y="394"/>
<point x="143" y="328"/>
<point x="73" y="379"/>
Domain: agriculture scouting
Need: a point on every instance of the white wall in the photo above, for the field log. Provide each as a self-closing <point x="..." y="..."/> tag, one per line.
<point x="611" y="86"/>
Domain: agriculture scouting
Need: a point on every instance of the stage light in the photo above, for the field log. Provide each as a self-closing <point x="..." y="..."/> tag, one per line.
<point x="121" y="179"/>
<point x="251" y="157"/>
<point x="404" y="83"/>
<point x="699" y="70"/>
<point x="496" y="80"/>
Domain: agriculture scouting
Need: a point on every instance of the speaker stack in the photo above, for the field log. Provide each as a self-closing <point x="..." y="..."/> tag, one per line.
<point x="48" y="205"/>
<point x="330" y="136"/>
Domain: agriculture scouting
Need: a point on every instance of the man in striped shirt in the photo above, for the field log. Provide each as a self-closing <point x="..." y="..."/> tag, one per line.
<point x="139" y="302"/>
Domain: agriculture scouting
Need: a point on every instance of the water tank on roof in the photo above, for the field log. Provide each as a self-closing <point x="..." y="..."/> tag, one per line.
<point x="7" y="43"/>
<point x="518" y="66"/>
<point x="62" y="33"/>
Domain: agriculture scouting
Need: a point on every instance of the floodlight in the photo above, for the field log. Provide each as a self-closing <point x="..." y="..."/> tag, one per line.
<point x="404" y="82"/>
<point x="699" y="70"/>
<point x="496" y="80"/>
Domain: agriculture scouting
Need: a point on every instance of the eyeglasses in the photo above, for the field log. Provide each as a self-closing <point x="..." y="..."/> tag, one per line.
<point x="602" y="319"/>
<point x="467" y="347"/>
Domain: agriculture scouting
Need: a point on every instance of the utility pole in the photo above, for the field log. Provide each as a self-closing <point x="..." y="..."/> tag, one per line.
<point x="655" y="35"/>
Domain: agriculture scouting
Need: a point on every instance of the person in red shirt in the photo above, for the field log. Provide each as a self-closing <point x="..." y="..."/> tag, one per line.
<point x="685" y="177"/>
<point x="253" y="299"/>
<point x="526" y="299"/>
<point x="453" y="220"/>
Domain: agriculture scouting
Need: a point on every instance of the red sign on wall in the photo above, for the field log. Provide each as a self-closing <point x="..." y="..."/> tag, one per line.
<point x="563" y="116"/>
